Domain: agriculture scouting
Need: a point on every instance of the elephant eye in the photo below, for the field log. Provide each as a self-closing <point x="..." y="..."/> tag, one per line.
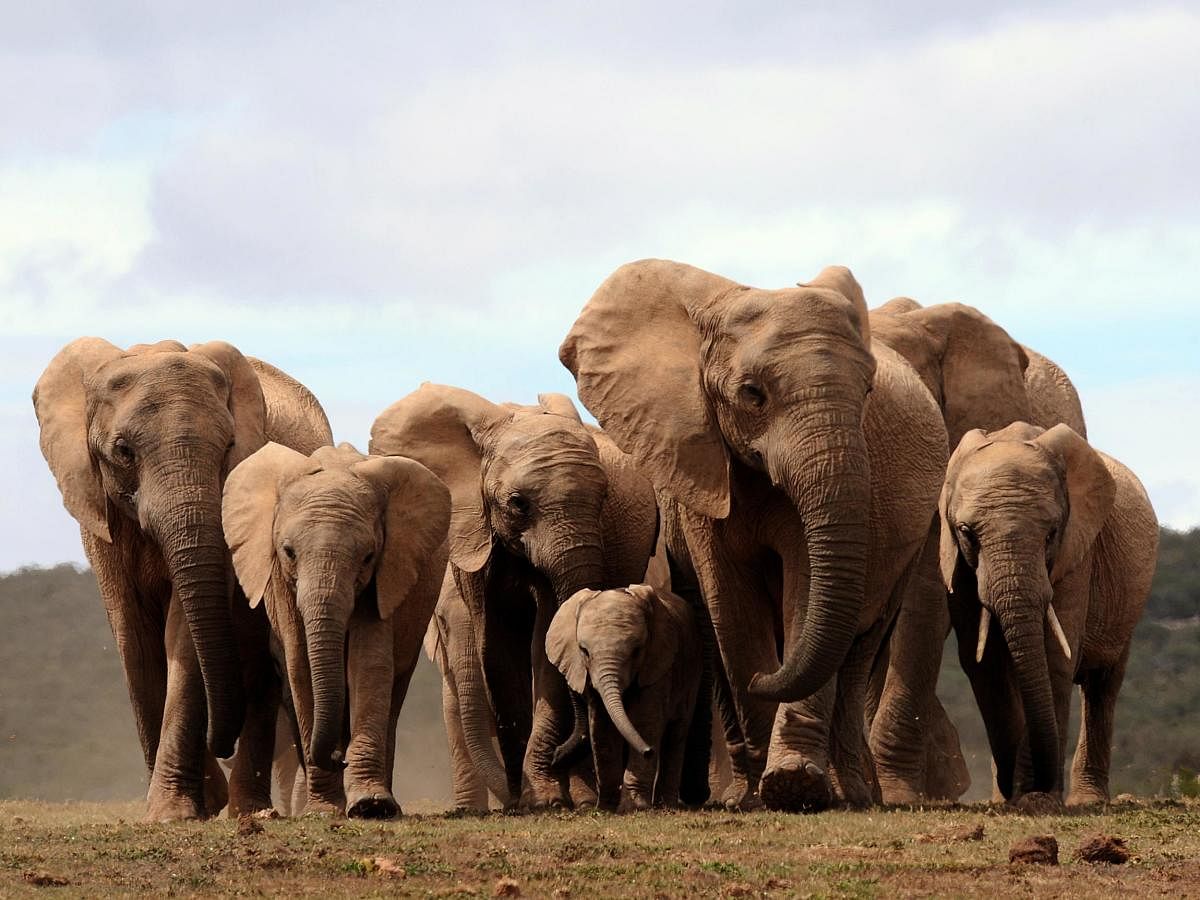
<point x="584" y="650"/>
<point x="1050" y="536"/>
<point x="967" y="533"/>
<point x="121" y="452"/>
<point x="752" y="396"/>
<point x="518" y="504"/>
<point x="290" y="552"/>
<point x="367" y="559"/>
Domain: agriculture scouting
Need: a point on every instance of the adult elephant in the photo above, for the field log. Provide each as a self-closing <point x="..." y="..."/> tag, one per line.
<point x="801" y="501"/>
<point x="980" y="377"/>
<point x="140" y="442"/>
<point x="542" y="506"/>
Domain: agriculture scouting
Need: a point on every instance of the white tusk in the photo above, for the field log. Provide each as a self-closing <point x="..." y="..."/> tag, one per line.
<point x="985" y="624"/>
<point x="1058" y="631"/>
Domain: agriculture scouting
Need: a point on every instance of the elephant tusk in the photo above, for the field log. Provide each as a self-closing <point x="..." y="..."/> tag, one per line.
<point x="985" y="625"/>
<point x="1058" y="630"/>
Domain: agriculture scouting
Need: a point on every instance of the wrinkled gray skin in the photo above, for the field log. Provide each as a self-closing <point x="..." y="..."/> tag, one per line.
<point x="475" y="766"/>
<point x="1048" y="547"/>
<point x="543" y="506"/>
<point x="635" y="654"/>
<point x="140" y="443"/>
<point x="980" y="377"/>
<point x="797" y="502"/>
<point x="347" y="551"/>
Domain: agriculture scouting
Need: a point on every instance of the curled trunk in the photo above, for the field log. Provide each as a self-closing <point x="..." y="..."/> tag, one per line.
<point x="574" y="744"/>
<point x="831" y="489"/>
<point x="193" y="546"/>
<point x="609" y="688"/>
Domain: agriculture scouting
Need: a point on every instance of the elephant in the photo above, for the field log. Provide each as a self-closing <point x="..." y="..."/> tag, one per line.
<point x="635" y="654"/>
<point x="543" y="506"/>
<point x="980" y="377"/>
<point x="140" y="442"/>
<point x="1048" y="548"/>
<point x="802" y="464"/>
<point x="346" y="553"/>
<point x="470" y="726"/>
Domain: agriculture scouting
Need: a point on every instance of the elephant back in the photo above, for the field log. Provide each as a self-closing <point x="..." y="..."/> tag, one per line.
<point x="295" y="417"/>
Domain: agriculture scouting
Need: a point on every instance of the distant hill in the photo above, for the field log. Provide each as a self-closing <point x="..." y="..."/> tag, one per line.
<point x="66" y="731"/>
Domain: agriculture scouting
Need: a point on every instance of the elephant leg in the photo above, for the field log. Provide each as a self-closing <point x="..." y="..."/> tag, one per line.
<point x="900" y="728"/>
<point x="468" y="787"/>
<point x="553" y="718"/>
<point x="720" y="769"/>
<point x="286" y="764"/>
<point x="1089" y="771"/>
<point x="608" y="754"/>
<point x="250" y="781"/>
<point x="642" y="772"/>
<point x="741" y="791"/>
<point x="849" y="756"/>
<point x="797" y="774"/>
<point x="370" y="676"/>
<point x="138" y="623"/>
<point x="177" y="785"/>
<point x="673" y="748"/>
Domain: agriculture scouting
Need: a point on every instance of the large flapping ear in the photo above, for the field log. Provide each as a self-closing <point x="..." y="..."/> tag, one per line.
<point x="635" y="355"/>
<point x="982" y="370"/>
<point x="562" y="641"/>
<point x="60" y="403"/>
<point x="440" y="427"/>
<point x="1053" y="399"/>
<point x="948" y="544"/>
<point x="246" y="401"/>
<point x="559" y="405"/>
<point x="666" y="624"/>
<point x="1091" y="493"/>
<point x="842" y="280"/>
<point x="248" y="512"/>
<point x="414" y="529"/>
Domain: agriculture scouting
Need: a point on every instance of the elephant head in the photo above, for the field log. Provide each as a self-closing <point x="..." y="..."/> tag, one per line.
<point x="612" y="641"/>
<point x="317" y="534"/>
<point x="524" y="479"/>
<point x="140" y="442"/>
<point x="693" y="374"/>
<point x="1020" y="509"/>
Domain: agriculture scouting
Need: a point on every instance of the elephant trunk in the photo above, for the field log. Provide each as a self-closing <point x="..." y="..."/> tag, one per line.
<point x="608" y="685"/>
<point x="567" y="750"/>
<point x="1022" y="627"/>
<point x="477" y="718"/>
<point x="826" y="474"/>
<point x="325" y="639"/>
<point x="188" y="530"/>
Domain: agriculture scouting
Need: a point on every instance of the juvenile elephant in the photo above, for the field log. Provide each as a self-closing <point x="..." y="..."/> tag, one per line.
<point x="140" y="442"/>
<point x="980" y="377"/>
<point x="635" y="655"/>
<point x="543" y="506"/>
<point x="800" y="501"/>
<point x="1048" y="548"/>
<point x="348" y="552"/>
<point x="470" y="725"/>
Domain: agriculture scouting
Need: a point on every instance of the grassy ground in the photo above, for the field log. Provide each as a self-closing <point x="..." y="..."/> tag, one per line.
<point x="90" y="849"/>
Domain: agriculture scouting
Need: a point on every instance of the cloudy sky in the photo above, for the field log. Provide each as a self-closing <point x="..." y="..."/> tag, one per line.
<point x="376" y="194"/>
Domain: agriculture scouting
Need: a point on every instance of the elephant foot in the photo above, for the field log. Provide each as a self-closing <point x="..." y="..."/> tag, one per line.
<point x="899" y="793"/>
<point x="216" y="788"/>
<point x="1038" y="803"/>
<point x="740" y="797"/>
<point x="1084" y="794"/>
<point x="322" y="809"/>
<point x="797" y="786"/>
<point x="165" y="807"/>
<point x="377" y="804"/>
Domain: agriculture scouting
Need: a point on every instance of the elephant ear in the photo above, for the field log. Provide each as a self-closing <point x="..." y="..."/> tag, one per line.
<point x="248" y="512"/>
<point x="441" y="428"/>
<point x="562" y="642"/>
<point x="416" y="520"/>
<point x="842" y="280"/>
<point x="667" y="622"/>
<point x="947" y="543"/>
<point x="559" y="405"/>
<point x="246" y="401"/>
<point x="1091" y="493"/>
<point x="635" y="355"/>
<point x="982" y="370"/>
<point x="60" y="403"/>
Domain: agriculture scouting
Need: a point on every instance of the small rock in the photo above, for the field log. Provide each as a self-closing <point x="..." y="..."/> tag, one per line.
<point x="1041" y="849"/>
<point x="44" y="879"/>
<point x="1103" y="848"/>
<point x="507" y="887"/>
<point x="248" y="825"/>
<point x="269" y="813"/>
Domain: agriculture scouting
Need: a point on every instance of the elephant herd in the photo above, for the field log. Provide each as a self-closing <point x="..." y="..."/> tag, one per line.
<point x="758" y="554"/>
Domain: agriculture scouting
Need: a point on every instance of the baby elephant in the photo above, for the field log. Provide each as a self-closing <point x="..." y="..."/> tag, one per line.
<point x="1048" y="548"/>
<point x="348" y="551"/>
<point x="635" y="654"/>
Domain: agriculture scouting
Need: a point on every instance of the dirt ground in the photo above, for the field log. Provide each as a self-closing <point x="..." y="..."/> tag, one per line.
<point x="92" y="849"/>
